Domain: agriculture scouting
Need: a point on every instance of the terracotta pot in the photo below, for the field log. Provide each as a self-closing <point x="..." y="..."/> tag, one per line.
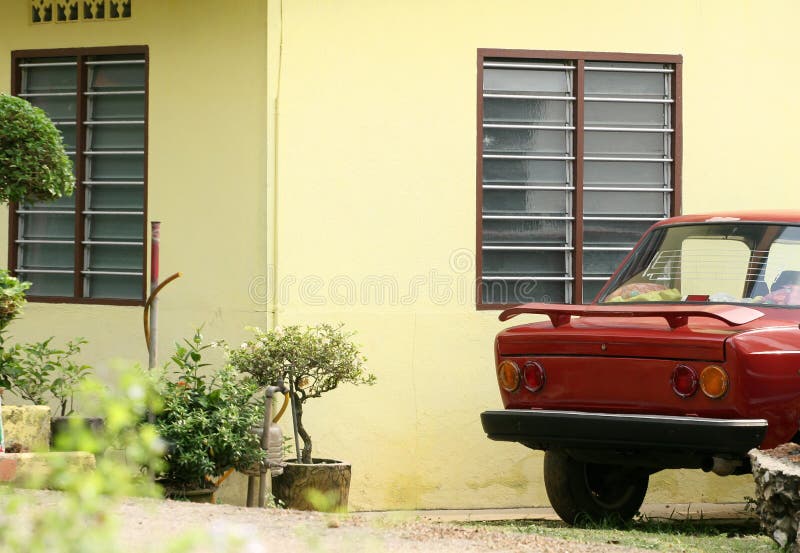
<point x="331" y="479"/>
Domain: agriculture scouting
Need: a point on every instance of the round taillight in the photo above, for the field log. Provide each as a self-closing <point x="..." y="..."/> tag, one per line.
<point x="534" y="376"/>
<point x="684" y="381"/>
<point x="508" y="376"/>
<point x="714" y="381"/>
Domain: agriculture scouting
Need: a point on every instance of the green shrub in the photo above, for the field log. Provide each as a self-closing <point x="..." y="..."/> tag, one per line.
<point x="37" y="372"/>
<point x="12" y="296"/>
<point x="33" y="164"/>
<point x="206" y="420"/>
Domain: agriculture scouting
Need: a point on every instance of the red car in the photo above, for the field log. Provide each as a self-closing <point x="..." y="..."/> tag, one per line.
<point x="688" y="358"/>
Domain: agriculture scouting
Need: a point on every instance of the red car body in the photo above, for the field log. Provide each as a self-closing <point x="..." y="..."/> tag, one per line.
<point x="622" y="383"/>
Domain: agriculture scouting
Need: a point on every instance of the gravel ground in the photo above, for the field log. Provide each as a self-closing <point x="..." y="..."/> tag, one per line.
<point x="149" y="525"/>
<point x="297" y="531"/>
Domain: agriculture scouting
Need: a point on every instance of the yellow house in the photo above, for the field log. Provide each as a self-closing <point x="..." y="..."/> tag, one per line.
<point x="375" y="163"/>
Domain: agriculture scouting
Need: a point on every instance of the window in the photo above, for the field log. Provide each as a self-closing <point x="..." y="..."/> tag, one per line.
<point x="578" y="154"/>
<point x="87" y="248"/>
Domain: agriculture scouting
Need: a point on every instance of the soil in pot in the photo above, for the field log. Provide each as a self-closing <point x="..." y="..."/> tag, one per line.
<point x="323" y="485"/>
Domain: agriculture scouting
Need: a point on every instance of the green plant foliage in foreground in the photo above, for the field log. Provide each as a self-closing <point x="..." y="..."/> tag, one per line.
<point x="673" y="536"/>
<point x="78" y="520"/>
<point x="33" y="164"/>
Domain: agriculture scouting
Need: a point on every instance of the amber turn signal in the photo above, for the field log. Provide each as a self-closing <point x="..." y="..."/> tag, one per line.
<point x="714" y="381"/>
<point x="508" y="375"/>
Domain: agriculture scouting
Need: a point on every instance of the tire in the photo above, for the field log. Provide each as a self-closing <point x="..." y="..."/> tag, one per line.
<point x="587" y="492"/>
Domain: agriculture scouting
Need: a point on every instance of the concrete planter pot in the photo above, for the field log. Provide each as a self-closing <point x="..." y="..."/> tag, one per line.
<point x="61" y="425"/>
<point x="199" y="495"/>
<point x="328" y="477"/>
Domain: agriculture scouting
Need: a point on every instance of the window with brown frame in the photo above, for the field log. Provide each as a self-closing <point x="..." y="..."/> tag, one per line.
<point x="89" y="247"/>
<point x="578" y="154"/>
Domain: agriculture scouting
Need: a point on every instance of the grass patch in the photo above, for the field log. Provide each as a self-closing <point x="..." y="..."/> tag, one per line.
<point x="684" y="536"/>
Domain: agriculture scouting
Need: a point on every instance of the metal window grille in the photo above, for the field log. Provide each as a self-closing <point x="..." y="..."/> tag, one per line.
<point x="577" y="160"/>
<point x="90" y="246"/>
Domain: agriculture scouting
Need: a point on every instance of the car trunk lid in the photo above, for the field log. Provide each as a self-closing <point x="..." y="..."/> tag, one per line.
<point x="656" y="332"/>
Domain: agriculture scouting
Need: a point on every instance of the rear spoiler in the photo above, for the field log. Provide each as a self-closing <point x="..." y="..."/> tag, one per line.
<point x="676" y="315"/>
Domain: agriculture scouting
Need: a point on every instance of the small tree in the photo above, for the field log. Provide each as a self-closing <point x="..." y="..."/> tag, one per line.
<point x="315" y="359"/>
<point x="33" y="164"/>
<point x="33" y="167"/>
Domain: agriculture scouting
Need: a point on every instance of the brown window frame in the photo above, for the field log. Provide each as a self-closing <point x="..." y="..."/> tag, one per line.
<point x="579" y="58"/>
<point x="80" y="189"/>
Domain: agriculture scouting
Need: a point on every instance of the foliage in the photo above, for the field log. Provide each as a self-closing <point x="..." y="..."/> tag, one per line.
<point x="207" y="420"/>
<point x="33" y="164"/>
<point x="79" y="521"/>
<point x="37" y="371"/>
<point x="12" y="297"/>
<point x="315" y="359"/>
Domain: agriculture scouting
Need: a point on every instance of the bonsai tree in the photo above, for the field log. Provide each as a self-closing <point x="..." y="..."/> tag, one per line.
<point x="206" y="421"/>
<point x="33" y="164"/>
<point x="315" y="360"/>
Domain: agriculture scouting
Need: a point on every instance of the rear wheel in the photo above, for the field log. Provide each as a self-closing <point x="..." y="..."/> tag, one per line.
<point x="592" y="492"/>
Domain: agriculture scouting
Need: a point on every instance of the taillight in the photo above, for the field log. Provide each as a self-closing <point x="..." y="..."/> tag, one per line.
<point x="534" y="376"/>
<point x="508" y="376"/>
<point x="684" y="381"/>
<point x="714" y="381"/>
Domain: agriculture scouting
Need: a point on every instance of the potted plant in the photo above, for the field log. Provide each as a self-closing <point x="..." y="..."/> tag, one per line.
<point x="41" y="373"/>
<point x="315" y="360"/>
<point x="206" y="422"/>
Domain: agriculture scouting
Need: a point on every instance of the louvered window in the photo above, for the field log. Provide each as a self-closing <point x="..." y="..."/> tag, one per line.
<point x="88" y="247"/>
<point x="576" y="159"/>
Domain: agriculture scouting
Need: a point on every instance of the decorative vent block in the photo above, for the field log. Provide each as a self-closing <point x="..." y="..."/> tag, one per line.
<point x="64" y="11"/>
<point x="42" y="11"/>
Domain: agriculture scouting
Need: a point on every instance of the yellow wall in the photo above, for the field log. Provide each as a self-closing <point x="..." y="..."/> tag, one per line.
<point x="353" y="123"/>
<point x="207" y="168"/>
<point x="376" y="178"/>
<point x="207" y="165"/>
